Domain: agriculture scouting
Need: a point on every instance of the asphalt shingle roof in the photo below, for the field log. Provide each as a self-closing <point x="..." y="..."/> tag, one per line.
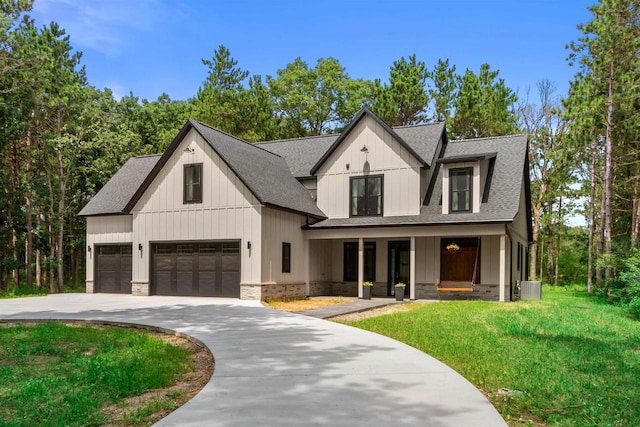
<point x="302" y="154"/>
<point x="504" y="196"/>
<point x="113" y="198"/>
<point x="266" y="174"/>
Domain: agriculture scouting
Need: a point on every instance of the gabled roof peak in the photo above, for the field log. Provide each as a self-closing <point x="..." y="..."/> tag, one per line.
<point x="364" y="113"/>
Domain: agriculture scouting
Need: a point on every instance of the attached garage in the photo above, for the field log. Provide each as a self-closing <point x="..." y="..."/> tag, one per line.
<point x="196" y="269"/>
<point x="113" y="269"/>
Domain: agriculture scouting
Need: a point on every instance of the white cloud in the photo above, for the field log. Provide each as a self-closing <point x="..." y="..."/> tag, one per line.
<point x="104" y="26"/>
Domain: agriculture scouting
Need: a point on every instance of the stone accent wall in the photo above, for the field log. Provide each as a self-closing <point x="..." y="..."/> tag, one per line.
<point x="319" y="289"/>
<point x="480" y="292"/>
<point x="272" y="290"/>
<point x="379" y="289"/>
<point x="140" y="288"/>
<point x="345" y="289"/>
<point x="248" y="291"/>
<point x="89" y="286"/>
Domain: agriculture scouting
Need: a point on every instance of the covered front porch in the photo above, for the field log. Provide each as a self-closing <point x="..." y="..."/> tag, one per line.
<point x="340" y="260"/>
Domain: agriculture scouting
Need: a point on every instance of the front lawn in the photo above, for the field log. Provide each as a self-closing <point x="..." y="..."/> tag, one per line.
<point x="566" y="360"/>
<point x="65" y="375"/>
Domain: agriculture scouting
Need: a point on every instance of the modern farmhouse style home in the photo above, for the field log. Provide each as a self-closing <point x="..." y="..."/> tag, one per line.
<point x="217" y="216"/>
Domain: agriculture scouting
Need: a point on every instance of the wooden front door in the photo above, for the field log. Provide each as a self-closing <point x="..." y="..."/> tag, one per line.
<point x="460" y="261"/>
<point x="398" y="265"/>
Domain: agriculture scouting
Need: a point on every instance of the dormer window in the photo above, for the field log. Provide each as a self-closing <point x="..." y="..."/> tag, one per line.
<point x="192" y="192"/>
<point x="460" y="185"/>
<point x="366" y="196"/>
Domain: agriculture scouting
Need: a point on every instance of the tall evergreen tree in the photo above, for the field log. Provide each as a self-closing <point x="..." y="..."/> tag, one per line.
<point x="404" y="100"/>
<point x="605" y="88"/>
<point x="484" y="106"/>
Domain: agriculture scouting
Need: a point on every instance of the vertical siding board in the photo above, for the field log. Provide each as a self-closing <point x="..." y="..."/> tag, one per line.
<point x="386" y="156"/>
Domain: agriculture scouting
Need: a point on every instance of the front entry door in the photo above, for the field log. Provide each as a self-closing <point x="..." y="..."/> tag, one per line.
<point x="398" y="265"/>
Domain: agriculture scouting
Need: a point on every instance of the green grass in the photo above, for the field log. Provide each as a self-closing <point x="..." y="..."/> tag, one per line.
<point x="575" y="360"/>
<point x="52" y="374"/>
<point x="22" y="292"/>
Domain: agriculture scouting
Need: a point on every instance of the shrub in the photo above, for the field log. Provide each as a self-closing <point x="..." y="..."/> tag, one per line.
<point x="627" y="285"/>
<point x="634" y="308"/>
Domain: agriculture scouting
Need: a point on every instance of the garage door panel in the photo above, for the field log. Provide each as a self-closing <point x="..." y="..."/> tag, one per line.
<point x="203" y="268"/>
<point x="230" y="283"/>
<point x="113" y="268"/>
<point x="163" y="283"/>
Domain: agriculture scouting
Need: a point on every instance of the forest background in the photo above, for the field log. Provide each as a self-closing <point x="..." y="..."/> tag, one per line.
<point x="61" y="139"/>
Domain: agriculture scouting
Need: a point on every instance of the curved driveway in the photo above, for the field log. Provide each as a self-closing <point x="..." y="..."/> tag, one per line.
<point x="281" y="369"/>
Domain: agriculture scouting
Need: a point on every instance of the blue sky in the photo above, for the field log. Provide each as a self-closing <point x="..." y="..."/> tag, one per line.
<point x="155" y="46"/>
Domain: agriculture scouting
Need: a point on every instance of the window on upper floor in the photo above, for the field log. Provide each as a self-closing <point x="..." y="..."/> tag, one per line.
<point x="460" y="185"/>
<point x="366" y="195"/>
<point x="192" y="192"/>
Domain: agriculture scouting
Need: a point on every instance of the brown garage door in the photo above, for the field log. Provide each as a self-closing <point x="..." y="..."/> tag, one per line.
<point x="113" y="269"/>
<point x="196" y="268"/>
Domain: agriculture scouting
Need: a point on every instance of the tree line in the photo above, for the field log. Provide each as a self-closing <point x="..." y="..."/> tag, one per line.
<point x="61" y="138"/>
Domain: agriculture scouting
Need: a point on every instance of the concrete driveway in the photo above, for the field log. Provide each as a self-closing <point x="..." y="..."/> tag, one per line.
<point x="281" y="369"/>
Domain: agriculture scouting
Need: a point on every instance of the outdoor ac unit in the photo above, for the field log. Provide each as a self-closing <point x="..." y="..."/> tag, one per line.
<point x="530" y="290"/>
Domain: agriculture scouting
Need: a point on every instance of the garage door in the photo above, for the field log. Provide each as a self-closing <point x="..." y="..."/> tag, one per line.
<point x="199" y="269"/>
<point x="113" y="269"/>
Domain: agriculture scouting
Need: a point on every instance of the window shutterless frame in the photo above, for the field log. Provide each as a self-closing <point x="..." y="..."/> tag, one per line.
<point x="461" y="190"/>
<point x="286" y="257"/>
<point x="192" y="183"/>
<point x="362" y="198"/>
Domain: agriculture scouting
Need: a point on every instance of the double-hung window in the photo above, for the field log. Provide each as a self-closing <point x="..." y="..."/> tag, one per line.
<point x="192" y="192"/>
<point x="460" y="182"/>
<point x="366" y="196"/>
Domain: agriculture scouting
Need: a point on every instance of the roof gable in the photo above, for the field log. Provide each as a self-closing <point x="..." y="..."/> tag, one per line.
<point x="364" y="113"/>
<point x="265" y="174"/>
<point x="503" y="197"/>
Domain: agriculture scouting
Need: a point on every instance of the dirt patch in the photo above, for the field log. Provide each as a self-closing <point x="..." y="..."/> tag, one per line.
<point x="307" y="303"/>
<point x="154" y="405"/>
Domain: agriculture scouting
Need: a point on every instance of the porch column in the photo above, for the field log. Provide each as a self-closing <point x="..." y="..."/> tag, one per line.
<point x="503" y="266"/>
<point x="360" y="266"/>
<point x="412" y="269"/>
<point x="306" y="256"/>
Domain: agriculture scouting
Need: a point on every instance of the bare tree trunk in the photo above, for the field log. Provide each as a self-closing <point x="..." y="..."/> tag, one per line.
<point x="592" y="217"/>
<point x="61" y="209"/>
<point x="28" y="212"/>
<point x="607" y="188"/>
<point x="557" y="248"/>
<point x="533" y="254"/>
<point x="635" y="211"/>
<point x="540" y="274"/>
<point x="38" y="256"/>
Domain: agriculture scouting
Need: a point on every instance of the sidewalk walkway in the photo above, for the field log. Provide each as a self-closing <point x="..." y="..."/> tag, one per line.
<point x="283" y="369"/>
<point x="351" y="307"/>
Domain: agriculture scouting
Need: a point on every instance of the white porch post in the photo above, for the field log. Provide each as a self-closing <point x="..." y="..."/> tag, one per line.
<point x="307" y="265"/>
<point x="412" y="269"/>
<point x="503" y="265"/>
<point x="360" y="266"/>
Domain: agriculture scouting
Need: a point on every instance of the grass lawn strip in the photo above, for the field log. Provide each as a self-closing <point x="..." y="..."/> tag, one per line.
<point x="79" y="374"/>
<point x="566" y="360"/>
